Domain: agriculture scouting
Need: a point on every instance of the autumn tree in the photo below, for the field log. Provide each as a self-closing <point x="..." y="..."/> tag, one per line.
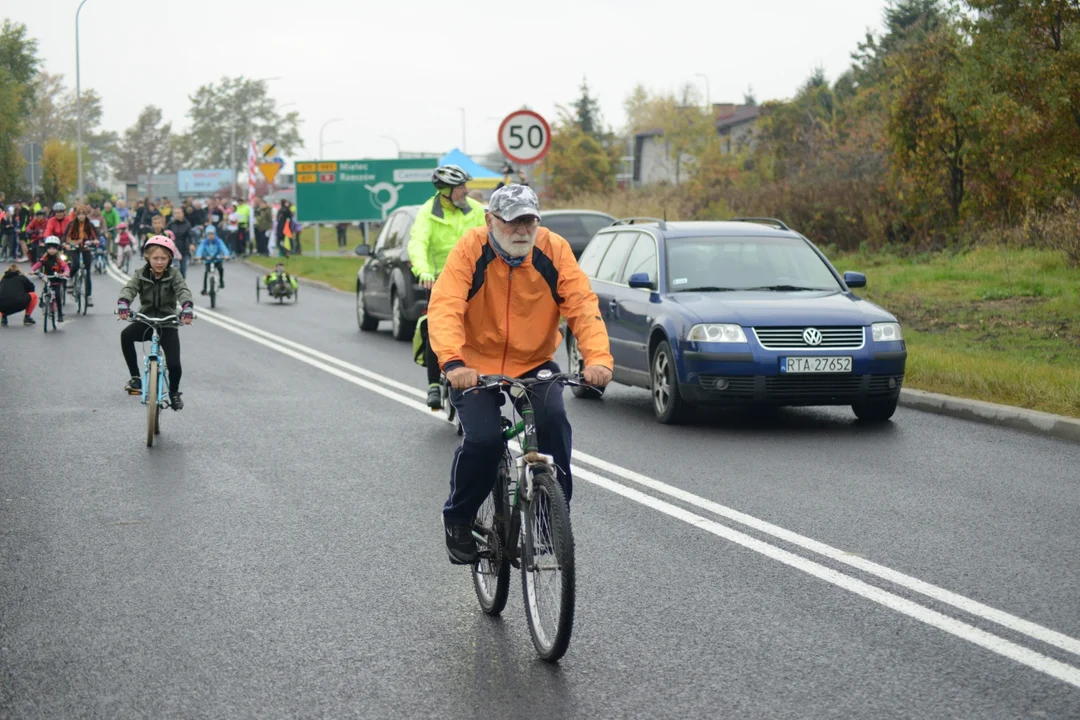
<point x="59" y="168"/>
<point x="577" y="162"/>
<point x="55" y="117"/>
<point x="18" y="66"/>
<point x="148" y="146"/>
<point x="226" y="115"/>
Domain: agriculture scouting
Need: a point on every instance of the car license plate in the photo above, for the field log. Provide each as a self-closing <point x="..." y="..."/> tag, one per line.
<point x="815" y="365"/>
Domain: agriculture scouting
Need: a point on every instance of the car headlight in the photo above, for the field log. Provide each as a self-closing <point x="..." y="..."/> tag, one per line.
<point x="717" y="333"/>
<point x="886" y="332"/>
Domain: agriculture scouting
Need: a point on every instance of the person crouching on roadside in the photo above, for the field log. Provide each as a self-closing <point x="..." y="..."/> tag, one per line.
<point x="17" y="295"/>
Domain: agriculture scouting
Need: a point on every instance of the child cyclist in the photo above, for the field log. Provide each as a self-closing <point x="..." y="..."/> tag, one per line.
<point x="160" y="288"/>
<point x="51" y="264"/>
<point x="124" y="243"/>
<point x="213" y="250"/>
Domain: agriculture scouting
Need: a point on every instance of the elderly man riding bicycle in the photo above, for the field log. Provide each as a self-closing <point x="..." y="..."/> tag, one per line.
<point x="495" y="309"/>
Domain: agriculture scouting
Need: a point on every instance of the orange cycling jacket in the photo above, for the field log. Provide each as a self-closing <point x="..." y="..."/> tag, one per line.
<point x="497" y="319"/>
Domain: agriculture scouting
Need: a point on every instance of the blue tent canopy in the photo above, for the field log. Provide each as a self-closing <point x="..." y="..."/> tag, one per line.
<point x="456" y="157"/>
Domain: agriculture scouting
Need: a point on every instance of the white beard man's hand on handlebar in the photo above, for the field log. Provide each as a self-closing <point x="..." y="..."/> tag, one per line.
<point x="597" y="376"/>
<point x="463" y="378"/>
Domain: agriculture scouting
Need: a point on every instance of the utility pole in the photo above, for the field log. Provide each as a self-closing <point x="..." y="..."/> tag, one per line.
<point x="78" y="103"/>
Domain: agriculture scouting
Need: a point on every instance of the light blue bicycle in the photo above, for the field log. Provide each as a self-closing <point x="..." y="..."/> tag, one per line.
<point x="155" y="378"/>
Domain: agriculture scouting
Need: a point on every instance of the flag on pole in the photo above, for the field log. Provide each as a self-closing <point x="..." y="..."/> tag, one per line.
<point x="252" y="160"/>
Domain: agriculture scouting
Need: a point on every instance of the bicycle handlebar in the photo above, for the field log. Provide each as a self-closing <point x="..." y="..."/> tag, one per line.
<point x="170" y="320"/>
<point x="569" y="379"/>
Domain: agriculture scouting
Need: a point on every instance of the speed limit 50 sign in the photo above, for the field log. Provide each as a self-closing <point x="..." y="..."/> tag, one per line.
<point x="524" y="137"/>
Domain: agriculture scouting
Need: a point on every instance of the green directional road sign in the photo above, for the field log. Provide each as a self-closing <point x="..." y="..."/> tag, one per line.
<point x="360" y="190"/>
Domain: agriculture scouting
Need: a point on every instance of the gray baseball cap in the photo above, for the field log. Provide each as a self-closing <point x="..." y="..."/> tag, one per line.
<point x="513" y="201"/>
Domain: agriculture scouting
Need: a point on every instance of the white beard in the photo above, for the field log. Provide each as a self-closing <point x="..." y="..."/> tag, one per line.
<point x="514" y="244"/>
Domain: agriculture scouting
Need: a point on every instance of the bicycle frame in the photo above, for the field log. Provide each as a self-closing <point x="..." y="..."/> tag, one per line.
<point x="155" y="354"/>
<point x="519" y="485"/>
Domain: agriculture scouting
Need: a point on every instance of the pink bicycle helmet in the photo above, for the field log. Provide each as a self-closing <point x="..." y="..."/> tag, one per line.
<point x="162" y="241"/>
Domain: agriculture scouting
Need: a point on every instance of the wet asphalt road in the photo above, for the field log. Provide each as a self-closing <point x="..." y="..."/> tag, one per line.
<point x="279" y="552"/>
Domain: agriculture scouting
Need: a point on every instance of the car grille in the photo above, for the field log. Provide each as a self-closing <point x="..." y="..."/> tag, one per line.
<point x="799" y="389"/>
<point x="792" y="387"/>
<point x="791" y="338"/>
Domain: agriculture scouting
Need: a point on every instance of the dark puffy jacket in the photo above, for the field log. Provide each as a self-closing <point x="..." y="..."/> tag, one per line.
<point x="182" y="230"/>
<point x="15" y="289"/>
<point x="158" y="297"/>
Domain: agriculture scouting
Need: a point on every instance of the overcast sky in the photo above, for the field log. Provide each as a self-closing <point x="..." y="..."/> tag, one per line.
<point x="404" y="68"/>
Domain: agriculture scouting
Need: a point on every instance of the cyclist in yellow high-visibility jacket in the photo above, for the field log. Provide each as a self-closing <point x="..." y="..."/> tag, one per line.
<point x="439" y="224"/>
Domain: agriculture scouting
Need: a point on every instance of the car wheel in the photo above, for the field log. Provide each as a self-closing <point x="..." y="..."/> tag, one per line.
<point x="876" y="411"/>
<point x="402" y="329"/>
<point x="366" y="322"/>
<point x="575" y="363"/>
<point x="668" y="405"/>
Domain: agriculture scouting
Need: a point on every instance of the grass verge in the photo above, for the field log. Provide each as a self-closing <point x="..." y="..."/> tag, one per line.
<point x="995" y="324"/>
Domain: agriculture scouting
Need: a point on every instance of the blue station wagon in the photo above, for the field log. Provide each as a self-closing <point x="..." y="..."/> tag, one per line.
<point x="737" y="313"/>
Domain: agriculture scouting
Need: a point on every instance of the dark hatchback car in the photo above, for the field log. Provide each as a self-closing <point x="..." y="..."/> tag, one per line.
<point x="577" y="226"/>
<point x="386" y="288"/>
<point x="745" y="312"/>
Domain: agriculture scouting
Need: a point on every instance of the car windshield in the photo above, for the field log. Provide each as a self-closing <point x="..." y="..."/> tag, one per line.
<point x="717" y="264"/>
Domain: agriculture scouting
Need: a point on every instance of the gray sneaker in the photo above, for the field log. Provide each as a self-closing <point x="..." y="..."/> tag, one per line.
<point x="460" y="544"/>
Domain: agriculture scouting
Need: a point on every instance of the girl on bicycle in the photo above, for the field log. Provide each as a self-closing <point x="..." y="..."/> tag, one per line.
<point x="160" y="288"/>
<point x="124" y="244"/>
<point x="82" y="236"/>
<point x="51" y="263"/>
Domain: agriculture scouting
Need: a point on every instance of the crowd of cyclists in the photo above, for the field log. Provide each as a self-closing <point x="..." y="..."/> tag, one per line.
<point x="88" y="234"/>
<point x="488" y="270"/>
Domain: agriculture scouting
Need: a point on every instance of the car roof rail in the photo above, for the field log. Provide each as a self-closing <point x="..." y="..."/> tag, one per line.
<point x="764" y="221"/>
<point x="631" y="221"/>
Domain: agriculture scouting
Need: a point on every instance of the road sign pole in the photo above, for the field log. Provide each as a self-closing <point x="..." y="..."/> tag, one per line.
<point x="317" y="241"/>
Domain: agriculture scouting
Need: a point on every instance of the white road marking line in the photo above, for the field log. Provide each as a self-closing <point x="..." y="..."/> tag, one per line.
<point x="1037" y="661"/>
<point x="1033" y="630"/>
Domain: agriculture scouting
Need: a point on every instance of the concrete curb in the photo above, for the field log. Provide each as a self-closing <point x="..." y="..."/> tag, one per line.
<point x="299" y="279"/>
<point x="1046" y="424"/>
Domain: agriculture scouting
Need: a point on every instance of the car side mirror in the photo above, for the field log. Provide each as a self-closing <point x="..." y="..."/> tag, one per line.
<point x="363" y="250"/>
<point x="641" y="280"/>
<point x="855" y="279"/>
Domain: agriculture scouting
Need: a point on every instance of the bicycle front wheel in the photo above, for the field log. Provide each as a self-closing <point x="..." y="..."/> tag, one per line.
<point x="151" y="402"/>
<point x="547" y="568"/>
<point x="213" y="292"/>
<point x="491" y="571"/>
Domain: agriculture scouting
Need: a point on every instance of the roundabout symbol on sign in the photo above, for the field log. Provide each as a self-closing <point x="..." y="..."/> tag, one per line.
<point x="524" y="137"/>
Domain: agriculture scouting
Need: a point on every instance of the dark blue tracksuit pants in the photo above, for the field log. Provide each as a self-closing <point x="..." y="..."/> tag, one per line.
<point x="476" y="460"/>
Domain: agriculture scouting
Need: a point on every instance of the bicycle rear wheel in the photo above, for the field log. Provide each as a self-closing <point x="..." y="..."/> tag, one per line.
<point x="491" y="571"/>
<point x="547" y="568"/>
<point x="151" y="401"/>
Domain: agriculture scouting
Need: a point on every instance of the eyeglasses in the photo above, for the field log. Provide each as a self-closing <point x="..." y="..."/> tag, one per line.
<point x="527" y="223"/>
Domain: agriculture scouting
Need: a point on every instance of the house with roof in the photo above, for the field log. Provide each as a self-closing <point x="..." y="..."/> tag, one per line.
<point x="654" y="161"/>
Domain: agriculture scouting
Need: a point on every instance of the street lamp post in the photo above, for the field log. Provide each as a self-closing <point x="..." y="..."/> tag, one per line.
<point x="321" y="132"/>
<point x="462" y="129"/>
<point x="78" y="102"/>
<point x="396" y="144"/>
<point x="708" y="102"/>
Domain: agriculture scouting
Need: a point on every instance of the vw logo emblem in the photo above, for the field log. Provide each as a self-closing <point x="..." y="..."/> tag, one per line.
<point x="812" y="337"/>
